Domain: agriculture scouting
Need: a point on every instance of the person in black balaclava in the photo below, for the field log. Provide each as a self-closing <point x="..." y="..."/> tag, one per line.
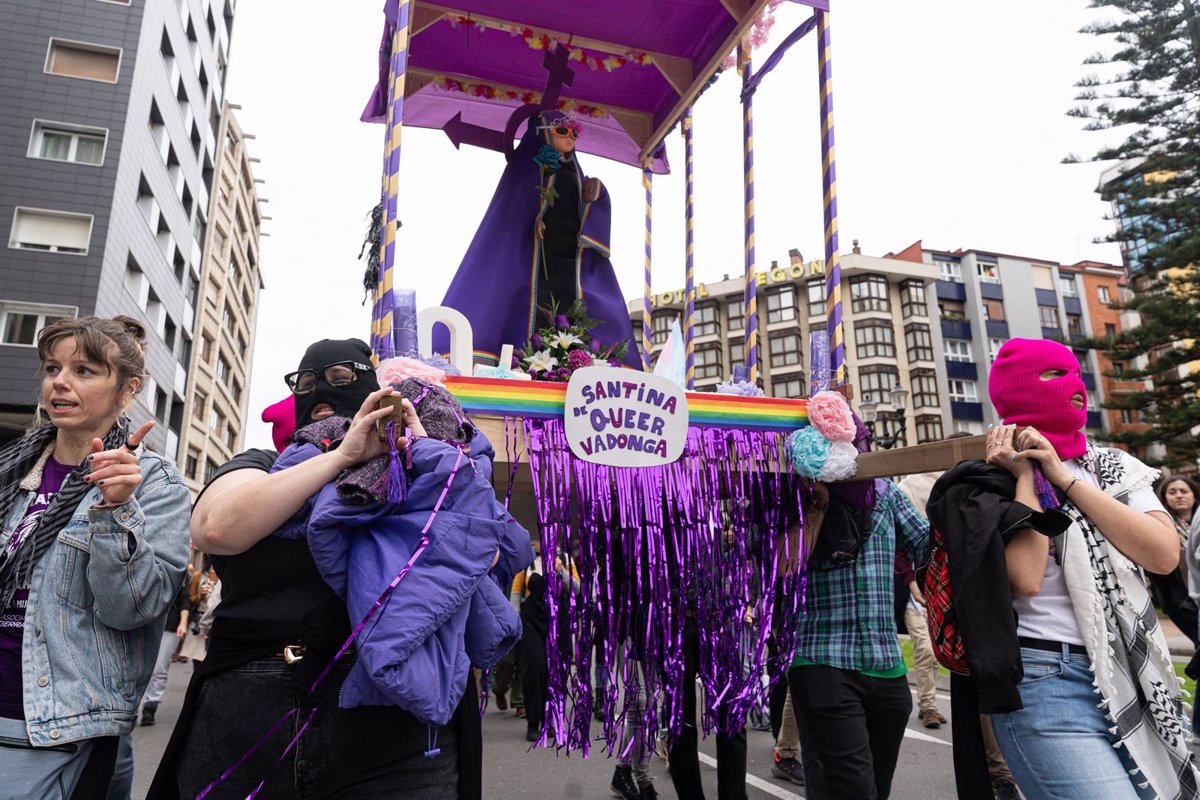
<point x="278" y="625"/>
<point x="334" y="373"/>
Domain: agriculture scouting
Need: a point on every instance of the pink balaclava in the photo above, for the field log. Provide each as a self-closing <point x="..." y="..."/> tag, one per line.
<point x="282" y="418"/>
<point x="1022" y="398"/>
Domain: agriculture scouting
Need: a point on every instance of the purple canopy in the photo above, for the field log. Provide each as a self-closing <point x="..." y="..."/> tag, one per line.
<point x="637" y="63"/>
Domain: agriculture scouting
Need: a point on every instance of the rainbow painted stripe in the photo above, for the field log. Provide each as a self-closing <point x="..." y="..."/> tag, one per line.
<point x="503" y="398"/>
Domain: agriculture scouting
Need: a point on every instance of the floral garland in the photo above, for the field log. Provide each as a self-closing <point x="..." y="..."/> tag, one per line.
<point x="489" y="91"/>
<point x="540" y="40"/>
<point x="759" y="32"/>
<point x="567" y="344"/>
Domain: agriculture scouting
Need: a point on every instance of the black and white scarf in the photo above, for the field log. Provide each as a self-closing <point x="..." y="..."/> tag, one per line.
<point x="19" y="557"/>
<point x="1128" y="651"/>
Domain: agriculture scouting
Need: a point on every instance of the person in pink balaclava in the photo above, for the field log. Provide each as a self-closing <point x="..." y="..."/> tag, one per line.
<point x="1101" y="715"/>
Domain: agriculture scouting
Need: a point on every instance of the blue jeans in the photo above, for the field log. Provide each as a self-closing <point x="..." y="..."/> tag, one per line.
<point x="1058" y="746"/>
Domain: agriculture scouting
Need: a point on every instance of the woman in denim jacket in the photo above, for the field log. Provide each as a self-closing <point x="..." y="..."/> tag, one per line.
<point x="93" y="545"/>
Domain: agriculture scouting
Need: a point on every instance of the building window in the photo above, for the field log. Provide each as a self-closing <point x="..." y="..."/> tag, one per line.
<point x="919" y="341"/>
<point x="956" y="349"/>
<point x="222" y="369"/>
<point x="191" y="464"/>
<point x="781" y="305"/>
<point x="988" y="273"/>
<point x="215" y="420"/>
<point x="869" y="293"/>
<point x="790" y="388"/>
<point x="785" y="349"/>
<point x="1048" y="316"/>
<point x="706" y="322"/>
<point x="660" y="328"/>
<point x="200" y="400"/>
<point x="929" y="428"/>
<point x="1118" y="369"/>
<point x="737" y="315"/>
<point x="708" y="363"/>
<point x="993" y="310"/>
<point x="1127" y="416"/>
<point x="235" y="391"/>
<point x="876" y="381"/>
<point x="60" y="142"/>
<point x="227" y="318"/>
<point x="1074" y="324"/>
<point x="924" y="388"/>
<point x="210" y="470"/>
<point x="20" y="323"/>
<point x="230" y="436"/>
<point x="51" y="231"/>
<point x="1067" y="286"/>
<point x="1102" y="293"/>
<point x="994" y="346"/>
<point x="737" y="352"/>
<point x="91" y="62"/>
<point x="816" y="298"/>
<point x="963" y="391"/>
<point x="950" y="271"/>
<point x="1110" y="330"/>
<point x="206" y="347"/>
<point x="875" y="340"/>
<point x="912" y="299"/>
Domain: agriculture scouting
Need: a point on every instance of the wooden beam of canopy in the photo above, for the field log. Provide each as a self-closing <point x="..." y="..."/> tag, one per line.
<point x="746" y="12"/>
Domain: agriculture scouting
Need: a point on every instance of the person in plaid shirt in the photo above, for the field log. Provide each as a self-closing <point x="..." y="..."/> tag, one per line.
<point x="848" y="677"/>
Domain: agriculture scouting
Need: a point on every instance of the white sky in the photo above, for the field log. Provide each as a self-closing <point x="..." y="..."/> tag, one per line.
<point x="950" y="120"/>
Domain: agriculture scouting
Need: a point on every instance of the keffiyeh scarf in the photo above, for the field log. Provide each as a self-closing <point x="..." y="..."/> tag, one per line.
<point x="1128" y="651"/>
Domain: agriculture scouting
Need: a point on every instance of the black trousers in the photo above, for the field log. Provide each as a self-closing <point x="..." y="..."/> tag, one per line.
<point x="860" y="721"/>
<point x="533" y="677"/>
<point x="683" y="758"/>
<point x="971" y="776"/>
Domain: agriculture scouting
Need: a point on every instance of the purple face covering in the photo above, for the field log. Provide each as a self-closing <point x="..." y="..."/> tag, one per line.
<point x="1021" y="397"/>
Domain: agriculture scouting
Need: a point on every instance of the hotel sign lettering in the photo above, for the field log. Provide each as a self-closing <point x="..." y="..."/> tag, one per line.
<point x="765" y="278"/>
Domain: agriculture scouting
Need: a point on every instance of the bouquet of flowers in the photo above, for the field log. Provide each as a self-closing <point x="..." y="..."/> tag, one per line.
<point x="567" y="344"/>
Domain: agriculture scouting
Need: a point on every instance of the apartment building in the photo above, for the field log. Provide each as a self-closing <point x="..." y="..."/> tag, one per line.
<point x="110" y="134"/>
<point x="219" y="373"/>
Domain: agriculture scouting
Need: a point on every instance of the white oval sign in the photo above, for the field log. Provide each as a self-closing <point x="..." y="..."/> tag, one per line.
<point x="623" y="418"/>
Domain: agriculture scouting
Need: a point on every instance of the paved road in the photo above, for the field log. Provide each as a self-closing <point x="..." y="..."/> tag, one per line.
<point x="511" y="772"/>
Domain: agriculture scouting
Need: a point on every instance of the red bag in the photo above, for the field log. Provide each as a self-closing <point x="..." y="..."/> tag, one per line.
<point x="940" y="615"/>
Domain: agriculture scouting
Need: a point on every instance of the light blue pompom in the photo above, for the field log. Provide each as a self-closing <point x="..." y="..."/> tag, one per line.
<point x="808" y="450"/>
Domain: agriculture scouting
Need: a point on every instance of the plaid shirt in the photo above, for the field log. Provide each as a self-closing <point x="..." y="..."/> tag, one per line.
<point x="848" y="620"/>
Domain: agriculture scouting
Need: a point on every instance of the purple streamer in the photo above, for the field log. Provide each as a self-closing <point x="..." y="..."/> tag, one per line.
<point x="698" y="536"/>
<point x="1045" y="490"/>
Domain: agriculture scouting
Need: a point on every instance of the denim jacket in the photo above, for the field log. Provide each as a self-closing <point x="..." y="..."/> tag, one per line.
<point x="98" y="599"/>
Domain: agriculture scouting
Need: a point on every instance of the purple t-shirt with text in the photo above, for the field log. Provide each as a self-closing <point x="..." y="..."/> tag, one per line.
<point x="12" y="620"/>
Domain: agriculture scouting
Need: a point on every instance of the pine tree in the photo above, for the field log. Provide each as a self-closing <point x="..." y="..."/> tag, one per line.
<point x="1148" y="92"/>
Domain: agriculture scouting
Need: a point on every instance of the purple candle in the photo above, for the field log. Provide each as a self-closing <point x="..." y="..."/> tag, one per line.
<point x="404" y="322"/>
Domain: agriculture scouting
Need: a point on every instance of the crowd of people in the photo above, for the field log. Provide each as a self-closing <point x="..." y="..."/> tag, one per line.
<point x="1057" y="550"/>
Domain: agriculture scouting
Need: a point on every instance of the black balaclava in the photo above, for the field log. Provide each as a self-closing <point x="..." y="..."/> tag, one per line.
<point x="345" y="400"/>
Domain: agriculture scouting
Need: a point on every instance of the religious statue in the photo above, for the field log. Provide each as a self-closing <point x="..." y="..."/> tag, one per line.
<point x="542" y="244"/>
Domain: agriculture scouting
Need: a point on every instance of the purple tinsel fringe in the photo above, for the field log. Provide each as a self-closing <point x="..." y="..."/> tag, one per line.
<point x="699" y="536"/>
<point x="1045" y="491"/>
<point x="397" y="482"/>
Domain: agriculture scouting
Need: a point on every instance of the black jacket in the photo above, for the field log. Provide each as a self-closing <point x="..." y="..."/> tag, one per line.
<point x="972" y="507"/>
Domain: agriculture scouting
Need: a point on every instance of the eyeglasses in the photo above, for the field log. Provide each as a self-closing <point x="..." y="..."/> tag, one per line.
<point x="343" y="373"/>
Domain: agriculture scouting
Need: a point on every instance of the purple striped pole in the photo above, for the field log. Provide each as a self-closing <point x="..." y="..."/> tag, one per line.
<point x="750" y="305"/>
<point x="397" y="77"/>
<point x="647" y="313"/>
<point x="689" y="319"/>
<point x="833" y="267"/>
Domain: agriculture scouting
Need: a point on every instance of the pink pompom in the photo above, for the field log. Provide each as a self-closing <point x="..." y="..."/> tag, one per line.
<point x="396" y="370"/>
<point x="281" y="417"/>
<point x="830" y="414"/>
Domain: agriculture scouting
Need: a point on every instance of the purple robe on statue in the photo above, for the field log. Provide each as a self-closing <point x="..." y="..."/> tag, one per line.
<point x="496" y="285"/>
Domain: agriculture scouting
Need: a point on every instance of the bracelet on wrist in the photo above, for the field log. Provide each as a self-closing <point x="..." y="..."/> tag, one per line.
<point x="1067" y="491"/>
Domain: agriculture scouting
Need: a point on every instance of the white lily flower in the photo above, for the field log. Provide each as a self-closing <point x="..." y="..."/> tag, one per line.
<point x="564" y="340"/>
<point x="541" y="361"/>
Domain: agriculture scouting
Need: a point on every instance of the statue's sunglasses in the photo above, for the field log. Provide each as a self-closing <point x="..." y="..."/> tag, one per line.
<point x="343" y="373"/>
